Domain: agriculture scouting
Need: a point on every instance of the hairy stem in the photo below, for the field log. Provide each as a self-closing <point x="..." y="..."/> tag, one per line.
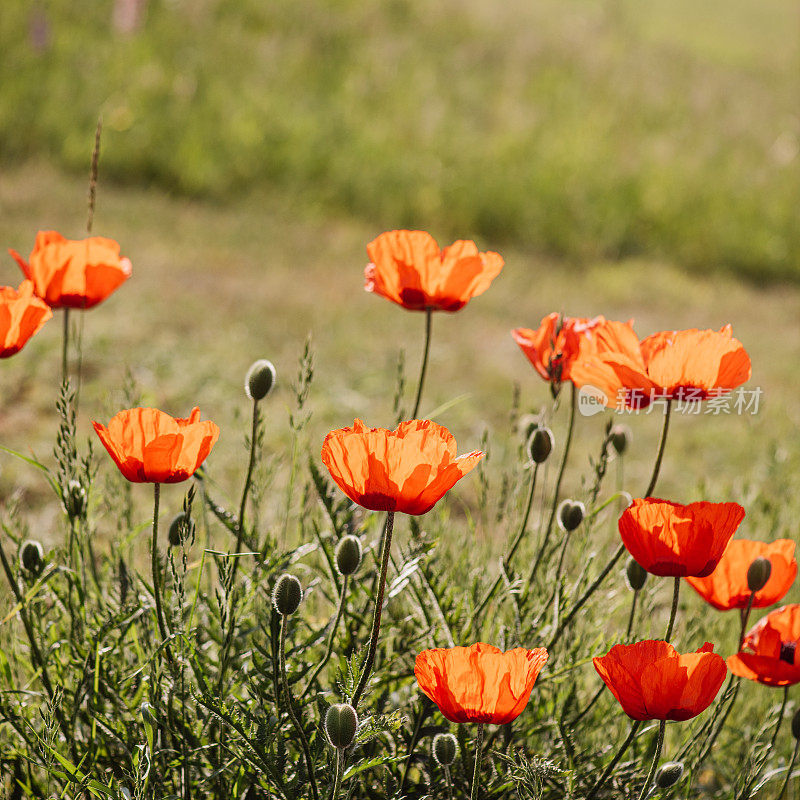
<point x="243" y="504"/>
<point x="663" y="441"/>
<point x="386" y="547"/>
<point x="65" y="347"/>
<point x="674" y="610"/>
<point x="476" y="775"/>
<point x="424" y="367"/>
<point x="337" y="781"/>
<point x="557" y="490"/>
<point x="654" y="766"/>
<point x="156" y="570"/>
<point x="789" y="770"/>
<point x="290" y="708"/>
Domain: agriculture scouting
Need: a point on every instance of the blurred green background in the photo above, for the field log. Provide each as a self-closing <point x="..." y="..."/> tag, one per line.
<point x="579" y="129"/>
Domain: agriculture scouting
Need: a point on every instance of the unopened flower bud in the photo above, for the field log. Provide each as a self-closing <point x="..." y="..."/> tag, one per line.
<point x="758" y="574"/>
<point x="75" y="500"/>
<point x="260" y="379"/>
<point x="669" y="774"/>
<point x="180" y="529"/>
<point x="620" y="437"/>
<point x="796" y="725"/>
<point x="287" y="595"/>
<point x="341" y="722"/>
<point x="445" y="748"/>
<point x="348" y="555"/>
<point x="540" y="445"/>
<point x="636" y="575"/>
<point x="31" y="557"/>
<point x="570" y="515"/>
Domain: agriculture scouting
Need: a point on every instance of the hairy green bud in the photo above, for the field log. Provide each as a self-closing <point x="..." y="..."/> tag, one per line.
<point x="540" y="445"/>
<point x="669" y="774"/>
<point x="341" y="722"/>
<point x="620" y="437"/>
<point x="445" y="748"/>
<point x="75" y="500"/>
<point x="260" y="379"/>
<point x="31" y="557"/>
<point x="287" y="595"/>
<point x="570" y="515"/>
<point x="758" y="574"/>
<point x="636" y="574"/>
<point x="348" y="555"/>
<point x="181" y="529"/>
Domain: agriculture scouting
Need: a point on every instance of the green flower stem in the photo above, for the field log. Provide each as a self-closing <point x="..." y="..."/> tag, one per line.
<point x="65" y="347"/>
<point x="745" y="617"/>
<point x="557" y="490"/>
<point x="601" y="781"/>
<point x="789" y="770"/>
<point x="290" y="708"/>
<point x="476" y="775"/>
<point x="632" y="615"/>
<point x="331" y="638"/>
<point x="654" y="766"/>
<point x="511" y="551"/>
<point x="674" y="610"/>
<point x="386" y="546"/>
<point x="449" y="781"/>
<point x="662" y="443"/>
<point x="424" y="367"/>
<point x="156" y="569"/>
<point x="337" y="781"/>
<point x="243" y="504"/>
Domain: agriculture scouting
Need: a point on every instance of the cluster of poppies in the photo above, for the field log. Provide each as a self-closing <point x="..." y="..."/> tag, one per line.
<point x="60" y="273"/>
<point x="408" y="470"/>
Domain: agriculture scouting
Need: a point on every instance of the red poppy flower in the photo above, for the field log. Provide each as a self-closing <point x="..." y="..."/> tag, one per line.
<point x="689" y="365"/>
<point x="726" y="587"/>
<point x="559" y="342"/>
<point x="770" y="652"/>
<point x="21" y="315"/>
<point x="150" y="446"/>
<point x="479" y="683"/>
<point x="74" y="274"/>
<point x="408" y="469"/>
<point x="651" y="680"/>
<point x="676" y="540"/>
<point x="409" y="269"/>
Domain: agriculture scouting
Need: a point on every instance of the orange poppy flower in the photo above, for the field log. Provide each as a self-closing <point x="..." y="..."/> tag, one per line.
<point x="408" y="469"/>
<point x="69" y="273"/>
<point x="689" y="365"/>
<point x="21" y="315"/>
<point x="676" y="540"/>
<point x="150" y="446"/>
<point x="559" y="342"/>
<point x="652" y="680"/>
<point x="726" y="587"/>
<point x="770" y="652"/>
<point x="408" y="268"/>
<point x="479" y="683"/>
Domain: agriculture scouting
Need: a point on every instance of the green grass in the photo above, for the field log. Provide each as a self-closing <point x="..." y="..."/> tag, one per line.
<point x="216" y="286"/>
<point x="577" y="129"/>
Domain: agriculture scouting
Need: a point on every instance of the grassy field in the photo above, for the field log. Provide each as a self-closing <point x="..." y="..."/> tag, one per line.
<point x="215" y="287"/>
<point x="576" y="128"/>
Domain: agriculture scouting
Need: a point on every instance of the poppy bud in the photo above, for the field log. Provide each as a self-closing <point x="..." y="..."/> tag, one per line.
<point x="796" y="725"/>
<point x="180" y="529"/>
<point x="540" y="445"/>
<point x="669" y="774"/>
<point x="570" y="515"/>
<point x="758" y="574"/>
<point x="348" y="555"/>
<point x="31" y="557"/>
<point x="341" y="722"/>
<point x="620" y="437"/>
<point x="75" y="500"/>
<point x="260" y="379"/>
<point x="445" y="748"/>
<point x="636" y="575"/>
<point x="287" y="595"/>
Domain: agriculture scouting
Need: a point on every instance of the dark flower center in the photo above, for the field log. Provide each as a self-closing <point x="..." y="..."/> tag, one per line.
<point x="787" y="652"/>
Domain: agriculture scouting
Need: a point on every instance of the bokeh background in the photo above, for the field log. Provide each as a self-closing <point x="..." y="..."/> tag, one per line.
<point x="627" y="158"/>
